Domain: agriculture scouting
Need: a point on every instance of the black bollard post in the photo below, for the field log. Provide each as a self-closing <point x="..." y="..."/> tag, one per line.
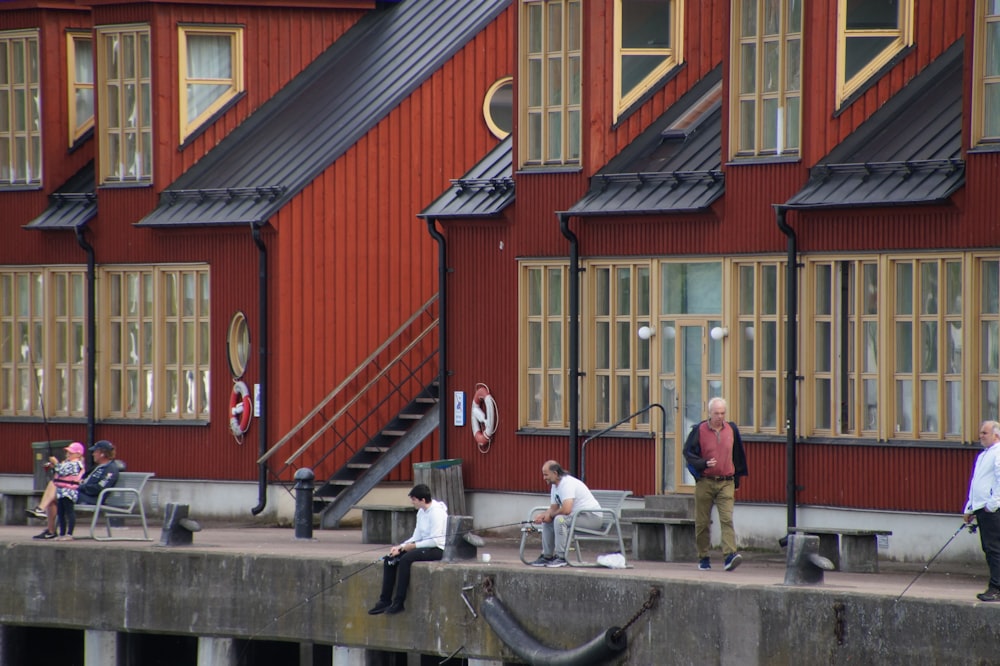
<point x="303" y="503"/>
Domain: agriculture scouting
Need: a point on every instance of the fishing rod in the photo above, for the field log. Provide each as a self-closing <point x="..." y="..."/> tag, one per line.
<point x="972" y="527"/>
<point x="326" y="588"/>
<point x="38" y="393"/>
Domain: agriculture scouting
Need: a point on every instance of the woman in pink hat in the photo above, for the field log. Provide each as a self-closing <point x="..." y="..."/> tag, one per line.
<point x="67" y="482"/>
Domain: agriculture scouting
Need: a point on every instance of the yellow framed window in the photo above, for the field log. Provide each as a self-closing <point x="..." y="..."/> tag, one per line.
<point x="80" y="68"/>
<point x="649" y="38"/>
<point x="620" y="368"/>
<point x="543" y="347"/>
<point x="551" y="82"/>
<point x="758" y="346"/>
<point x="842" y="364"/>
<point x="869" y="34"/>
<point x="987" y="270"/>
<point x="927" y="338"/>
<point x="986" y="73"/>
<point x="126" y="119"/>
<point x="766" y="116"/>
<point x="42" y="342"/>
<point x="20" y="109"/>
<point x="211" y="72"/>
<point x="157" y="343"/>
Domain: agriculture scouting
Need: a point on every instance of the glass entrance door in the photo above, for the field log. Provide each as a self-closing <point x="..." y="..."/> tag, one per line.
<point x="691" y="375"/>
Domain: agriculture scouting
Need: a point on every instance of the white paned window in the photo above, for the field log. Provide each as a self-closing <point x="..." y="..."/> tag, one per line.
<point x="126" y="119"/>
<point x="20" y="109"/>
<point x="552" y="82"/>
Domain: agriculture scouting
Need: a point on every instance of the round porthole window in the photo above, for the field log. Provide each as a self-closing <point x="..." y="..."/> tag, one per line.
<point x="498" y="107"/>
<point x="238" y="344"/>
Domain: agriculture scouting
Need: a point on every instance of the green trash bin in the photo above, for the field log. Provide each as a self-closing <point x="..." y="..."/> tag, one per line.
<point x="40" y="452"/>
<point x="445" y="480"/>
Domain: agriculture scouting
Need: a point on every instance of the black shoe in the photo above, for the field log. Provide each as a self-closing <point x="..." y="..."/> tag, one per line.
<point x="45" y="535"/>
<point x="37" y="512"/>
<point x="992" y="594"/>
<point x="378" y="608"/>
<point x="395" y="608"/>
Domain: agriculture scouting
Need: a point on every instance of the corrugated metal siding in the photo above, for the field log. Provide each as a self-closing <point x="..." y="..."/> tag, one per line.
<point x="980" y="226"/>
<point x="889" y="229"/>
<point x="889" y="478"/>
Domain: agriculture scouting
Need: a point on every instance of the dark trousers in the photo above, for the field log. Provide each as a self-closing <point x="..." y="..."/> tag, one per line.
<point x="65" y="515"/>
<point x="989" y="537"/>
<point x="397" y="576"/>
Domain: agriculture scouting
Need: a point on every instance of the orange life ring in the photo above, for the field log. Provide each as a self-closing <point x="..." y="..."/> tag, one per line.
<point x="240" y="409"/>
<point x="484" y="416"/>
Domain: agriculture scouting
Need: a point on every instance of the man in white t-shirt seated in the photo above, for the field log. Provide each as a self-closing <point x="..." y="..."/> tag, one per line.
<point x="569" y="496"/>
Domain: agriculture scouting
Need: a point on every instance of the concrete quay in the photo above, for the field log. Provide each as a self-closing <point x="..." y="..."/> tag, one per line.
<point x="236" y="587"/>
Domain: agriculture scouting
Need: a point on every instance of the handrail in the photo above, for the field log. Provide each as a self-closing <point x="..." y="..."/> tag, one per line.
<point x="347" y="380"/>
<point x="361" y="392"/>
<point x="663" y="433"/>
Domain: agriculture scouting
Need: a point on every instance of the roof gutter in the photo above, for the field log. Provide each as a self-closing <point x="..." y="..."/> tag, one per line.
<point x="442" y="327"/>
<point x="572" y="390"/>
<point x="262" y="355"/>
<point x="91" y="330"/>
<point x="791" y="354"/>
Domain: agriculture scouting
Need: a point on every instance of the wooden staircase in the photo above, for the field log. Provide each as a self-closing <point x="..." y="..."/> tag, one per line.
<point x="379" y="456"/>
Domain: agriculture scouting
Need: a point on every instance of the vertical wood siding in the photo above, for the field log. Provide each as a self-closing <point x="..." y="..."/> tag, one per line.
<point x="352" y="260"/>
<point x="936" y="27"/>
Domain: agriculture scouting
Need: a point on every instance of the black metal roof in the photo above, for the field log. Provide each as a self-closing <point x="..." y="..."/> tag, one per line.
<point x="484" y="191"/>
<point x="72" y="205"/>
<point x="674" y="166"/>
<point x="907" y="152"/>
<point x="321" y="113"/>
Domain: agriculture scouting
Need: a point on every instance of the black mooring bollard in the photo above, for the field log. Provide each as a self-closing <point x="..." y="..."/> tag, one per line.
<point x="303" y="503"/>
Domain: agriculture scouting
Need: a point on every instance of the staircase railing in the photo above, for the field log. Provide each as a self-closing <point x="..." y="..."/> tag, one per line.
<point x="613" y="426"/>
<point x="391" y="378"/>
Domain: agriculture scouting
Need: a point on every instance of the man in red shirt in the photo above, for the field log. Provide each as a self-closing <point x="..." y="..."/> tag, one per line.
<point x="714" y="454"/>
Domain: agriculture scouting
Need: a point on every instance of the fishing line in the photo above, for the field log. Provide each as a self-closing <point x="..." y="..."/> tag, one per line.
<point x="343" y="579"/>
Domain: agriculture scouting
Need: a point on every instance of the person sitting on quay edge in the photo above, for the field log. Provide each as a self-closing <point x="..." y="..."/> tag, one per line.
<point x="103" y="475"/>
<point x="716" y="458"/>
<point x="426" y="545"/>
<point x="569" y="497"/>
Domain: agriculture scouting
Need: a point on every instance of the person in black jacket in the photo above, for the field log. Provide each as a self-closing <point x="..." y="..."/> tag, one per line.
<point x="714" y="454"/>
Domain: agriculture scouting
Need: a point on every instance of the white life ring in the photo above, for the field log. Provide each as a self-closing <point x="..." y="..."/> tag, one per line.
<point x="240" y="409"/>
<point x="484" y="417"/>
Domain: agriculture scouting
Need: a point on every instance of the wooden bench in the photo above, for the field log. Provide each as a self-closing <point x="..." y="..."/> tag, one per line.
<point x="611" y="502"/>
<point x="663" y="539"/>
<point x="387" y="523"/>
<point x="122" y="501"/>
<point x="14" y="505"/>
<point x="850" y="550"/>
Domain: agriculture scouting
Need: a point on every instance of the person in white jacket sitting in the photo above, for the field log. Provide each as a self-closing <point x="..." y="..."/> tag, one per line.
<point x="426" y="544"/>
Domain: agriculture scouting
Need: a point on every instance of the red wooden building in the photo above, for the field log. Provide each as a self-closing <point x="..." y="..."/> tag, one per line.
<point x="675" y="168"/>
<point x="306" y="196"/>
<point x="222" y="195"/>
